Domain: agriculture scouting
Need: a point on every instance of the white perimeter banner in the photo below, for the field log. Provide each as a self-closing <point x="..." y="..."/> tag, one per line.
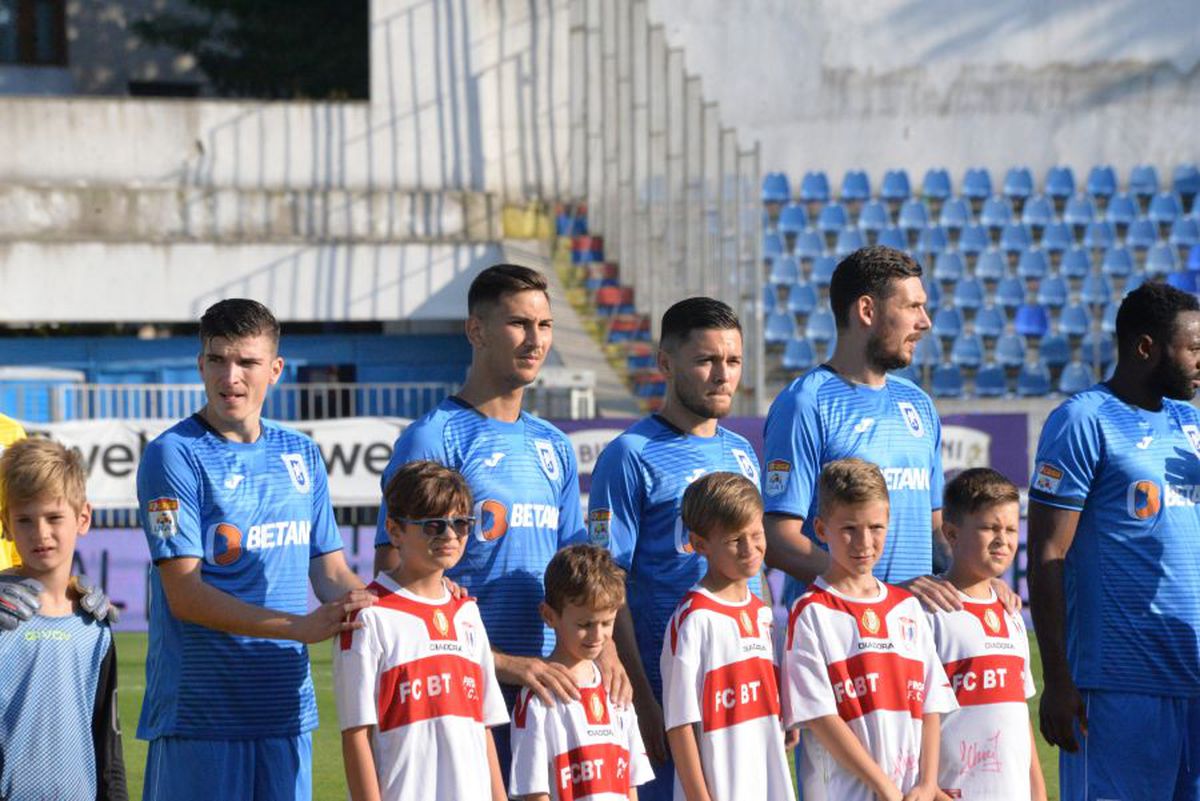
<point x="355" y="449"/>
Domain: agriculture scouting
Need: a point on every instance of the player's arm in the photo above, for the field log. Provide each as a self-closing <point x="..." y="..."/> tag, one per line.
<point x="1051" y="532"/>
<point x="926" y="788"/>
<point x="332" y="578"/>
<point x="1037" y="781"/>
<point x="687" y="762"/>
<point x="193" y="600"/>
<point x="361" y="778"/>
<point x="791" y="550"/>
<point x="649" y="712"/>
<point x="106" y="733"/>
<point x="833" y="733"/>
<point x="547" y="680"/>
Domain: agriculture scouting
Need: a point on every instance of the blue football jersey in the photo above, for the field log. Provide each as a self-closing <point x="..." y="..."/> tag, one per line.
<point x="821" y="417"/>
<point x="254" y="514"/>
<point x="633" y="508"/>
<point x="526" y="489"/>
<point x="1132" y="575"/>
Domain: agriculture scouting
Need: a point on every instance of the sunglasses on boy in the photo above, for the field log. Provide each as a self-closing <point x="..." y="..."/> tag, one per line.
<point x="433" y="527"/>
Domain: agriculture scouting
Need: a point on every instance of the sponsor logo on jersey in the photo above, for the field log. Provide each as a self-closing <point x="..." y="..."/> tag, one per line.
<point x="548" y="458"/>
<point x="1046" y="478"/>
<point x="778" y="472"/>
<point x="234" y="481"/>
<point x="440" y="622"/>
<point x="493" y="519"/>
<point x="683" y="540"/>
<point x="737" y="692"/>
<point x="912" y="418"/>
<point x="1144" y="443"/>
<point x="1182" y="494"/>
<point x="163" y="514"/>
<point x="1143" y="499"/>
<point x="906" y="478"/>
<point x="225" y="542"/>
<point x="297" y="471"/>
<point x="494" y="459"/>
<point x="864" y="425"/>
<point x="1193" y="435"/>
<point x="992" y="621"/>
<point x="746" y="464"/>
<point x="599" y="521"/>
<point x="870" y="621"/>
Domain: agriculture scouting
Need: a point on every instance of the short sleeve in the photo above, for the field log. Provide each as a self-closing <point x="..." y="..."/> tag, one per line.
<point x="792" y="453"/>
<point x="1067" y="454"/>
<point x="615" y="501"/>
<point x="640" y="770"/>
<point x="570" y="507"/>
<point x="356" y="656"/>
<point x="807" y="693"/>
<point x="530" y="771"/>
<point x="326" y="538"/>
<point x="682" y="672"/>
<point x="421" y="440"/>
<point x="169" y="500"/>
<point x="495" y="713"/>
<point x="1017" y="625"/>
<point x="939" y="697"/>
<point x="937" y="477"/>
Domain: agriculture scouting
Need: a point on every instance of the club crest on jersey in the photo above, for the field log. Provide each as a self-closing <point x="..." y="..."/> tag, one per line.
<point x="1193" y="435"/>
<point x="599" y="521"/>
<point x="912" y="418"/>
<point x="870" y="621"/>
<point x="747" y="624"/>
<point x="778" y="472"/>
<point x="440" y="622"/>
<point x="908" y="632"/>
<point x="297" y="471"/>
<point x="548" y="458"/>
<point x="1046" y="478"/>
<point x="596" y="710"/>
<point x="748" y="466"/>
<point x="992" y="621"/>
<point x="163" y="514"/>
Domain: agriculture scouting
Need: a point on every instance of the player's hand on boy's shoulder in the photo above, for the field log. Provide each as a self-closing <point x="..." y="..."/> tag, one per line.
<point x="547" y="680"/>
<point x="934" y="592"/>
<point x="18" y="600"/>
<point x="94" y="601"/>
<point x="330" y="619"/>
<point x="614" y="678"/>
<point x="457" y="591"/>
<point x="1008" y="596"/>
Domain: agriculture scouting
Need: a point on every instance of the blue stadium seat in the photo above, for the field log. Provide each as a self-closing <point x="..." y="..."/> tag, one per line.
<point x="948" y="267"/>
<point x="1018" y="183"/>
<point x="947" y="381"/>
<point x="1010" y="293"/>
<point x="784" y="271"/>
<point x="1080" y="211"/>
<point x="1031" y="320"/>
<point x="1038" y="212"/>
<point x="1161" y="260"/>
<point x="1184" y="232"/>
<point x="1097" y="349"/>
<point x="856" y="187"/>
<point x="1117" y="262"/>
<point x="1165" y="208"/>
<point x="990" y="382"/>
<point x="895" y="187"/>
<point x="954" y="215"/>
<point x="947" y="323"/>
<point x="1133" y="282"/>
<point x="1184" y="280"/>
<point x="933" y="293"/>
<point x="909" y="373"/>
<point x="814" y="188"/>
<point x="989" y="322"/>
<point x="1096" y="291"/>
<point x="1053" y="292"/>
<point x="1057" y="237"/>
<point x="775" y="188"/>
<point x="936" y="185"/>
<point x="974" y="240"/>
<point x="822" y="270"/>
<point x="873" y="218"/>
<point x="913" y="216"/>
<point x="928" y="351"/>
<point x="1076" y="377"/>
<point x="779" y="328"/>
<point x="1033" y="381"/>
<point x="996" y="213"/>
<point x="967" y="351"/>
<point x="968" y="294"/>
<point x="1185" y="180"/>
<point x="798" y="355"/>
<point x="977" y="184"/>
<point x="809" y="245"/>
<point x="1193" y="258"/>
<point x="1010" y="350"/>
<point x="1122" y="210"/>
<point x="932" y="240"/>
<point x="1143" y="181"/>
<point x="802" y="299"/>
<point x="1060" y="182"/>
<point x="848" y="241"/>
<point x="1102" y="181"/>
<point x="772" y="246"/>
<point x="768" y="299"/>
<point x="1076" y="263"/>
<point x="832" y="218"/>
<point x="1141" y="235"/>
<point x="991" y="266"/>
<point x="820" y="327"/>
<point x="1099" y="235"/>
<point x="1015" y="237"/>
<point x="792" y="219"/>
<point x="1074" y="321"/>
<point x="1108" y="319"/>
<point x="1033" y="265"/>
<point x="1055" y="351"/>
<point x="893" y="237"/>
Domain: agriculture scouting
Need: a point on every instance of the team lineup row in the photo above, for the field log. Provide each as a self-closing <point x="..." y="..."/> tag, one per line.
<point x="227" y="675"/>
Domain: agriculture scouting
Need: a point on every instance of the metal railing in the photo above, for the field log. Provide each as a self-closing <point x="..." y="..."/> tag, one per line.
<point x="668" y="186"/>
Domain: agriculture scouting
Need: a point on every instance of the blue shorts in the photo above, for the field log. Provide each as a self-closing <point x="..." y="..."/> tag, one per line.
<point x="1138" y="747"/>
<point x="267" y="769"/>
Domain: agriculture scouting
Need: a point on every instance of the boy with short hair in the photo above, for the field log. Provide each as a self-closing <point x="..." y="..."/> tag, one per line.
<point x="416" y="688"/>
<point x="589" y="748"/>
<point x="720" y="683"/>
<point x="988" y="751"/>
<point x="861" y="674"/>
<point x="59" y="734"/>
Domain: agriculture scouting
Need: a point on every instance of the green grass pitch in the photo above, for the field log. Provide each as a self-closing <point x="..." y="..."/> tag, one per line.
<point x="329" y="783"/>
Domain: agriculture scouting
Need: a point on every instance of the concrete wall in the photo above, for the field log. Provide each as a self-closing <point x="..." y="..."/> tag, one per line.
<point x="919" y="83"/>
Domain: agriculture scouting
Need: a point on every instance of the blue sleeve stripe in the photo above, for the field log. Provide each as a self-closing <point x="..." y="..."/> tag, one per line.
<point x="1058" y="502"/>
<point x="326" y="553"/>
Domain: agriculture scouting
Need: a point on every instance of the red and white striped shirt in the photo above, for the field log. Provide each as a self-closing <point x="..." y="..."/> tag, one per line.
<point x="985" y="744"/>
<point x="420" y="671"/>
<point x="718" y="668"/>
<point x="871" y="662"/>
<point x="585" y="750"/>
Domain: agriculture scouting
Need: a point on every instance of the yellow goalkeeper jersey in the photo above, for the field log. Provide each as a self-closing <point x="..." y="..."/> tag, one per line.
<point x="10" y="432"/>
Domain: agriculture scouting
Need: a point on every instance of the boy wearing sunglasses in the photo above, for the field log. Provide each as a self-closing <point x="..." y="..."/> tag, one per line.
<point x="416" y="686"/>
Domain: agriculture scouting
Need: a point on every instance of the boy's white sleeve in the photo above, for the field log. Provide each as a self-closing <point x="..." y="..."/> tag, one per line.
<point x="1018" y="625"/>
<point x="939" y="697"/>
<point x="530" y="771"/>
<point x="495" y="713"/>
<point x="640" y="770"/>
<point x="356" y="674"/>
<point x="807" y="693"/>
<point x="682" y="671"/>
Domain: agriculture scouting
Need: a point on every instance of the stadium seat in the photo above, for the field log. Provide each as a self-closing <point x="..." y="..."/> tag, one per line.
<point x="1161" y="259"/>
<point x="1184" y="232"/>
<point x="768" y="299"/>
<point x="977" y="184"/>
<point x="913" y="216"/>
<point x="1097" y="349"/>
<point x="933" y="293"/>
<point x="1032" y="265"/>
<point x="909" y="373"/>
<point x="1184" y="280"/>
<point x="1010" y="293"/>
<point x="989" y="322"/>
<point x="1185" y="181"/>
<point x="1057" y="237"/>
<point x="996" y="213"/>
<point x="893" y="237"/>
<point x="967" y="351"/>
<point x="1076" y="377"/>
<point x="1079" y="212"/>
<point x="1060" y="183"/>
<point x="848" y="241"/>
<point x="798" y="355"/>
<point x="948" y="267"/>
<point x="1117" y="262"/>
<point x="1122" y="210"/>
<point x="936" y="185"/>
<point x="1031" y="320"/>
<point x="1055" y="351"/>
<point x="1076" y="263"/>
<point x="822" y="270"/>
<point x="856" y="187"/>
<point x="1102" y="181"/>
<point x="1193" y="258"/>
<point x="1133" y="282"/>
<point x="990" y="382"/>
<point x="809" y="245"/>
<point x="1096" y="291"/>
<point x="974" y="240"/>
<point x="1074" y="321"/>
<point x="784" y="271"/>
<point x="793" y="219"/>
<point x="779" y="328"/>
<point x="1108" y="319"/>
<point x="947" y="323"/>
<point x="968" y="294"/>
<point x="1143" y="181"/>
<point x="1018" y="184"/>
<point x="1165" y="208"/>
<point x="814" y="188"/>
<point x="932" y="240"/>
<point x="1010" y="350"/>
<point x="820" y="327"/>
<point x="928" y="351"/>
<point x="947" y="381"/>
<point x="1053" y="292"/>
<point x="612" y="300"/>
<point x="1015" y="237"/>
<point x="1038" y="212"/>
<point x="1033" y="381"/>
<point x="954" y="215"/>
<point x="1099" y="235"/>
<point x="802" y="299"/>
<point x="775" y="188"/>
<point x="772" y="246"/>
<point x="1142" y="234"/>
<point x="873" y="218"/>
<point x="895" y="187"/>
<point x="991" y="266"/>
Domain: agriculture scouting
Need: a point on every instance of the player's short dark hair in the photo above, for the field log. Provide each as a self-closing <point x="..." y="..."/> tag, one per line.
<point x="238" y="318"/>
<point x="977" y="489"/>
<point x="695" y="314"/>
<point x="1151" y="309"/>
<point x="503" y="279"/>
<point x="718" y="503"/>
<point x="423" y="489"/>
<point x="584" y="575"/>
<point x="849" y="482"/>
<point x="868" y="271"/>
